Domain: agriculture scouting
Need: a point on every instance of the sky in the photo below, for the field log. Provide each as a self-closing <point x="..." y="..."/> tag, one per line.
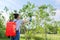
<point x="18" y="4"/>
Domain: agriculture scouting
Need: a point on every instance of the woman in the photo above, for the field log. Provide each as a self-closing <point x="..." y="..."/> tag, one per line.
<point x="18" y="25"/>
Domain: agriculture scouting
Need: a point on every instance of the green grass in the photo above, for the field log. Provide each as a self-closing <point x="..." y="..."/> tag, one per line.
<point x="4" y="39"/>
<point x="40" y="37"/>
<point x="43" y="37"/>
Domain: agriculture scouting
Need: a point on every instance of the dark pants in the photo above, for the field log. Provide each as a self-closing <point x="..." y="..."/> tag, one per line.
<point x="17" y="36"/>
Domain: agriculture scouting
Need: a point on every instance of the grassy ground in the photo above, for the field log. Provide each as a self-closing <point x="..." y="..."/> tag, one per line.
<point x="40" y="37"/>
<point x="43" y="37"/>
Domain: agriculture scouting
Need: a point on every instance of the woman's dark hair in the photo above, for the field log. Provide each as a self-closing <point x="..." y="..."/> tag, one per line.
<point x="16" y="15"/>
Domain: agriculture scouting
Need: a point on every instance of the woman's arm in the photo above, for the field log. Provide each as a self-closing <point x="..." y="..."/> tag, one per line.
<point x="25" y="21"/>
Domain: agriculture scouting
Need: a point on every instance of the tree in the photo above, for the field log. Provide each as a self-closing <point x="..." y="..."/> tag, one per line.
<point x="11" y="17"/>
<point x="2" y="26"/>
<point x="28" y="11"/>
<point x="6" y="9"/>
<point x="42" y="15"/>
